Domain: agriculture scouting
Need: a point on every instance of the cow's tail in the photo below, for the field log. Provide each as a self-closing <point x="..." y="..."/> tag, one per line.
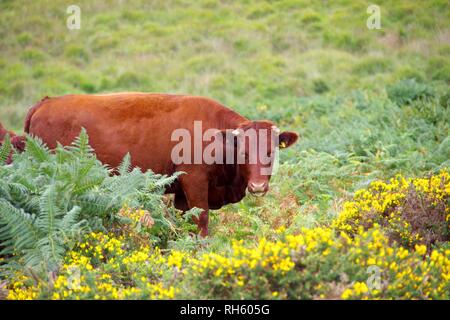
<point x="30" y="114"/>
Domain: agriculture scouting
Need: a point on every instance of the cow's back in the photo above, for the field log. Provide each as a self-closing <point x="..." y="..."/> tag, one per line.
<point x="139" y="123"/>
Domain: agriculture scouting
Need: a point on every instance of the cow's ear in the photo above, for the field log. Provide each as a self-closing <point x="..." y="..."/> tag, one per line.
<point x="287" y="139"/>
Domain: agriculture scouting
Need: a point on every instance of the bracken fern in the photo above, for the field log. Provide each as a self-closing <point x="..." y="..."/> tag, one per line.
<point x="48" y="200"/>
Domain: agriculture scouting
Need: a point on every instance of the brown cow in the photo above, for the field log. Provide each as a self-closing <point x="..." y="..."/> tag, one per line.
<point x="17" y="142"/>
<point x="143" y="124"/>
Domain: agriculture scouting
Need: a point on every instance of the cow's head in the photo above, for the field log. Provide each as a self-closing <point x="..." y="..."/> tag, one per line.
<point x="255" y="144"/>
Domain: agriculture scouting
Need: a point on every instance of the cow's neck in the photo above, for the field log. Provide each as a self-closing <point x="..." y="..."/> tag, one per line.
<point x="228" y="119"/>
<point x="236" y="183"/>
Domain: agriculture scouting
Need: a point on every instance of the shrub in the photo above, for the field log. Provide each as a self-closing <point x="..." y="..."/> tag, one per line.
<point x="412" y="212"/>
<point x="77" y="54"/>
<point x="407" y="91"/>
<point x="320" y="262"/>
<point x="49" y="200"/>
<point x="333" y="263"/>
<point x="310" y="16"/>
<point x="130" y="80"/>
<point x="259" y="11"/>
<point x="102" y="266"/>
<point x="320" y="86"/>
<point x="24" y="38"/>
<point x="444" y="100"/>
<point x="32" y="55"/>
<point x="371" y="65"/>
<point x="439" y="69"/>
<point x="345" y="40"/>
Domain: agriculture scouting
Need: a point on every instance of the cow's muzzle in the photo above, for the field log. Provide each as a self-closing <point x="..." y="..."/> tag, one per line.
<point x="258" y="189"/>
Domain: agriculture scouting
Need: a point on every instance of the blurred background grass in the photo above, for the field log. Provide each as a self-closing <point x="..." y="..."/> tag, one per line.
<point x="367" y="103"/>
<point x="243" y="53"/>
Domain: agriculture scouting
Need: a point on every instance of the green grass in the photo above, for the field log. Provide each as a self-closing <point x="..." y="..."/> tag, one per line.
<point x="310" y="66"/>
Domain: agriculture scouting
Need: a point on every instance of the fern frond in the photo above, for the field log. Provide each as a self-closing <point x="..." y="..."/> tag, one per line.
<point x="52" y="250"/>
<point x="5" y="149"/>
<point x="18" y="190"/>
<point x="19" y="226"/>
<point x="70" y="219"/>
<point x="49" y="211"/>
<point x="165" y="180"/>
<point x="81" y="145"/>
<point x="36" y="149"/>
<point x="125" y="165"/>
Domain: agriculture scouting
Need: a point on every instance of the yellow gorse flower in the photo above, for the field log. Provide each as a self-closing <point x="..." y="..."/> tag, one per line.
<point x="104" y="266"/>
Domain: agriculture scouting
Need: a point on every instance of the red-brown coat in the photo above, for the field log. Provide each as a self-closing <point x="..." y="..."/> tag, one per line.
<point x="142" y="124"/>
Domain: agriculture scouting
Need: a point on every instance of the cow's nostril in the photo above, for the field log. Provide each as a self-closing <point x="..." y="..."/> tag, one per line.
<point x="257" y="187"/>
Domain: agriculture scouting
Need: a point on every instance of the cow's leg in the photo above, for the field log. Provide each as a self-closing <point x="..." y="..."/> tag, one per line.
<point x="195" y="188"/>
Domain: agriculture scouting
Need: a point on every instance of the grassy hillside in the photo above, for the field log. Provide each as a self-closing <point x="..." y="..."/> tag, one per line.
<point x="244" y="53"/>
<point x="368" y="104"/>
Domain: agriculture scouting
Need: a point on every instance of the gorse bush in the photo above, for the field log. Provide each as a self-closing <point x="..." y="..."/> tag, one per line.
<point x="313" y="263"/>
<point x="333" y="262"/>
<point x="411" y="211"/>
<point x="48" y="200"/>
